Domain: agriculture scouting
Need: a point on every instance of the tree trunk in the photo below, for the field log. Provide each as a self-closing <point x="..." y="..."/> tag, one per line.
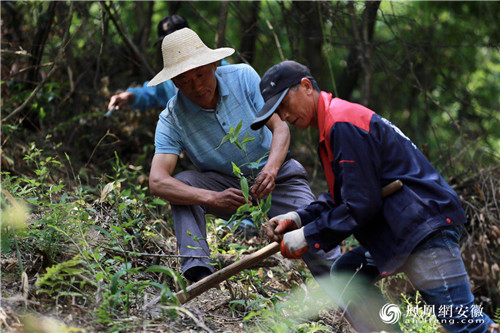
<point x="249" y="29"/>
<point x="12" y="23"/>
<point x="123" y="32"/>
<point x="144" y="11"/>
<point x="220" y="35"/>
<point x="349" y="78"/>
<point x="44" y="23"/>
<point x="312" y="40"/>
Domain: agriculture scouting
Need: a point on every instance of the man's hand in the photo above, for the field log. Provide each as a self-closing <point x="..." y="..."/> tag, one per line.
<point x="294" y="244"/>
<point x="264" y="184"/>
<point x="266" y="179"/>
<point x="121" y="100"/>
<point x="229" y="199"/>
<point x="280" y="224"/>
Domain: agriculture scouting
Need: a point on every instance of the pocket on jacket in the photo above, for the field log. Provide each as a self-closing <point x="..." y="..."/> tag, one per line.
<point x="404" y="210"/>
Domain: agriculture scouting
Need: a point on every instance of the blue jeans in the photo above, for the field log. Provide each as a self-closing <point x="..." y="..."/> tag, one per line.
<point x="435" y="268"/>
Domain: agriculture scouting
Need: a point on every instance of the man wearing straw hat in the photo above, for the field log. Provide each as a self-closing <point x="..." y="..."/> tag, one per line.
<point x="142" y="98"/>
<point x="210" y="100"/>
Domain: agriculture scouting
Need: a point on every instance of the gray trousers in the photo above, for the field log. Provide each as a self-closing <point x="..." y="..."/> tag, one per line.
<point x="292" y="191"/>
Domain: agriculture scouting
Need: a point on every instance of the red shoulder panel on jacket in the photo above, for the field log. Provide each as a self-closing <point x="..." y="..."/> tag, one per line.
<point x="347" y="112"/>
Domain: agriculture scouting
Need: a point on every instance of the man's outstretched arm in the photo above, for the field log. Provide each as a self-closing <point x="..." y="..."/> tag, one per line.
<point x="162" y="184"/>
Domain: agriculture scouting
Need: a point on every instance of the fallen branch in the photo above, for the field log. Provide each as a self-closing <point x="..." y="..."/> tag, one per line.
<point x="198" y="322"/>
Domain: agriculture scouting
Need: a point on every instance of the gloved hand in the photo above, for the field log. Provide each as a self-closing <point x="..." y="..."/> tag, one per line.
<point x="294" y="244"/>
<point x="280" y="224"/>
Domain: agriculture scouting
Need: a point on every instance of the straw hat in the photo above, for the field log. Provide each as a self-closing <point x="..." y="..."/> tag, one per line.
<point x="182" y="51"/>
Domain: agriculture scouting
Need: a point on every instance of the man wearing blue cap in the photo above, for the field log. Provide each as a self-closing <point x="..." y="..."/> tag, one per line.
<point x="210" y="100"/>
<point x="415" y="230"/>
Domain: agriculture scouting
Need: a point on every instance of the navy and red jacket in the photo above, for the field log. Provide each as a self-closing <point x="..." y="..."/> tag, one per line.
<point x="361" y="152"/>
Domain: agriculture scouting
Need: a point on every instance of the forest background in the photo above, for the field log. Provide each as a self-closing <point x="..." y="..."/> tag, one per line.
<point x="76" y="211"/>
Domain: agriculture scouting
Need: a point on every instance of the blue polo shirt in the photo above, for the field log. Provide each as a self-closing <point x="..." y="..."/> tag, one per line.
<point x="184" y="126"/>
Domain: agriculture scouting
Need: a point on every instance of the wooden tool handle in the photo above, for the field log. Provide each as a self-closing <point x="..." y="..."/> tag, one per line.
<point x="249" y="260"/>
<point x="217" y="277"/>
<point x="391" y="188"/>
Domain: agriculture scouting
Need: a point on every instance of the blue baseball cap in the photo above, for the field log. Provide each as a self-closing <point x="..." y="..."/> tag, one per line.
<point x="274" y="86"/>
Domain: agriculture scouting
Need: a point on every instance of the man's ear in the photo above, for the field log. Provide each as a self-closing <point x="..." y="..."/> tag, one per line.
<point x="307" y="84"/>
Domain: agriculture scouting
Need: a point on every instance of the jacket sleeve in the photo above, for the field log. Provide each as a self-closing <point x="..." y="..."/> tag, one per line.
<point x="152" y="97"/>
<point x="315" y="208"/>
<point x="358" y="195"/>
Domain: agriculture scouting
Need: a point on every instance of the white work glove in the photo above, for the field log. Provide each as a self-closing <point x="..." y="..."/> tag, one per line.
<point x="294" y="244"/>
<point x="280" y="224"/>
